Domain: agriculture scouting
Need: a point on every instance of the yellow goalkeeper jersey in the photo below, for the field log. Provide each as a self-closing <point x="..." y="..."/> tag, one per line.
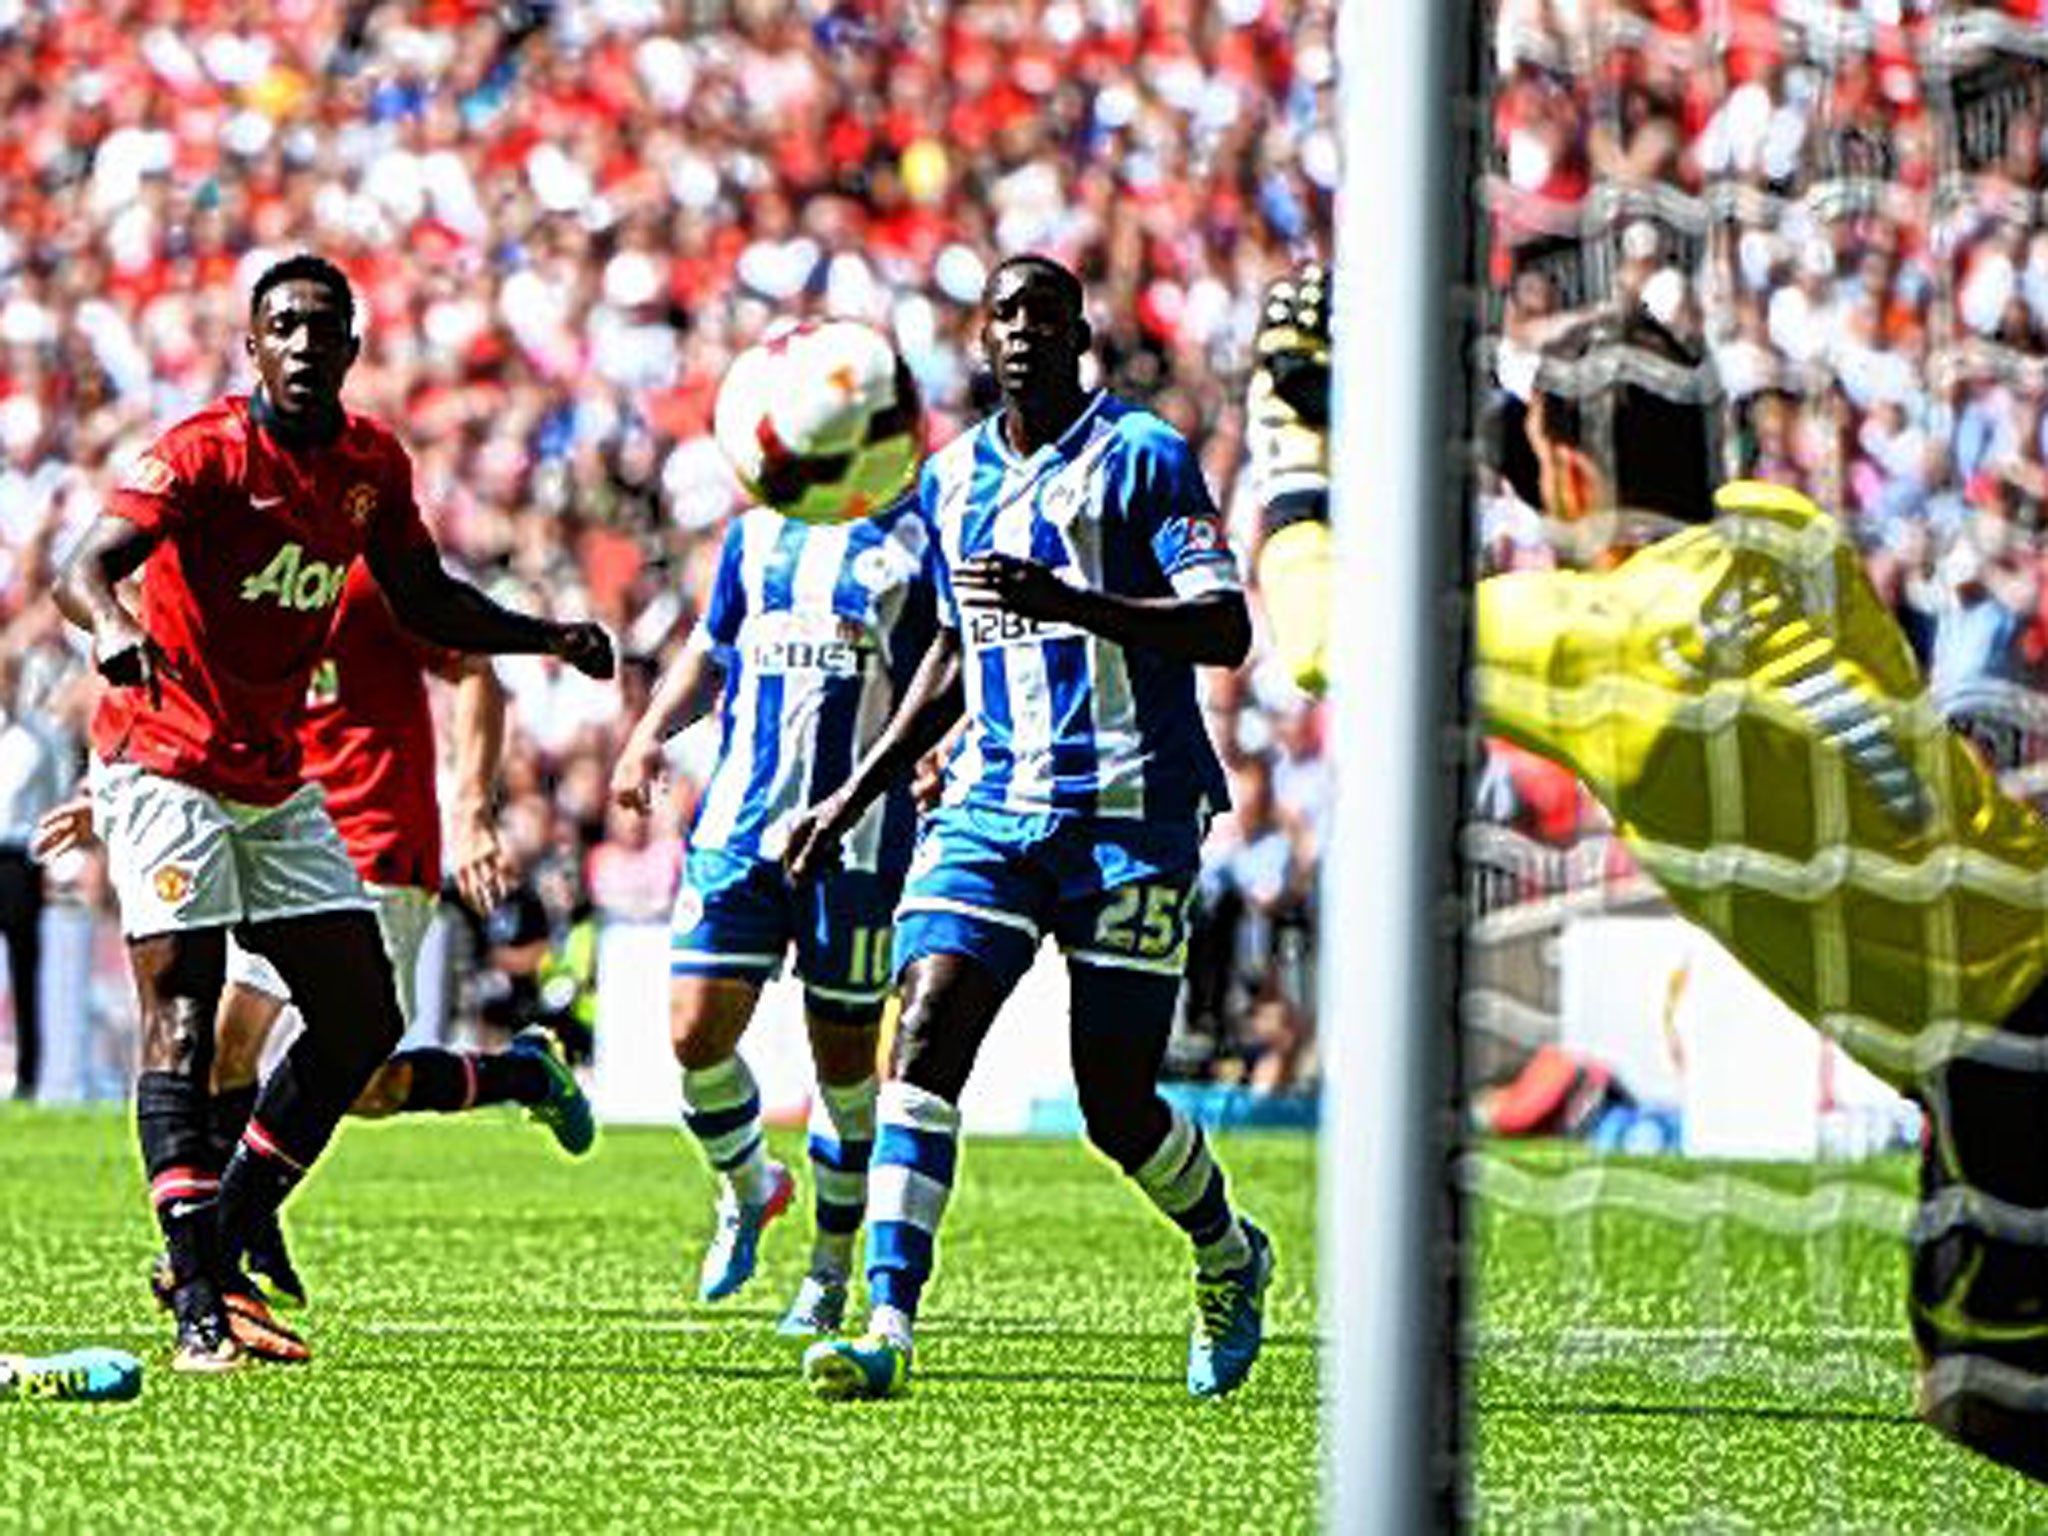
<point x="1750" y="715"/>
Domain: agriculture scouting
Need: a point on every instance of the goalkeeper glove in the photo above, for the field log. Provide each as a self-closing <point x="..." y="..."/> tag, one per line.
<point x="1287" y="432"/>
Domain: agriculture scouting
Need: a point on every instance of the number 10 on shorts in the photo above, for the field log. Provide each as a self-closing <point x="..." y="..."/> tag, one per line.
<point x="872" y="949"/>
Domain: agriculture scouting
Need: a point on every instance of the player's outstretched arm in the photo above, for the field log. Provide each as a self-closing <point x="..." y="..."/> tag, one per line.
<point x="112" y="550"/>
<point x="1211" y="629"/>
<point x="679" y="697"/>
<point x="931" y="704"/>
<point x="451" y="613"/>
<point x="482" y="873"/>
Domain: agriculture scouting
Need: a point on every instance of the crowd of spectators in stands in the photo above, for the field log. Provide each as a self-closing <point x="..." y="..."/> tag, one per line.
<point x="563" y="219"/>
<point x="1845" y="203"/>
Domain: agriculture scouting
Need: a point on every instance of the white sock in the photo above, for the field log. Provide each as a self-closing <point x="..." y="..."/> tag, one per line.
<point x="892" y="1325"/>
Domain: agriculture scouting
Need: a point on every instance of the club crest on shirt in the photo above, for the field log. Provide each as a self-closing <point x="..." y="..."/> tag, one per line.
<point x="360" y="502"/>
<point x="149" y="476"/>
<point x="877" y="568"/>
<point x="172" y="883"/>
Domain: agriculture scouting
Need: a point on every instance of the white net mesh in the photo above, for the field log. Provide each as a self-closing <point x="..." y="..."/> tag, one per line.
<point x="1691" y="1208"/>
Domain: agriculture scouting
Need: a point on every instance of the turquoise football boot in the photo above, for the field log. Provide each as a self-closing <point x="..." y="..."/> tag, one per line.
<point x="840" y="1370"/>
<point x="565" y="1111"/>
<point x="78" y="1376"/>
<point x="1230" y="1322"/>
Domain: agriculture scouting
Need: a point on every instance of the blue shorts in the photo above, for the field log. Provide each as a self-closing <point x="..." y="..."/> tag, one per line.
<point x="989" y="884"/>
<point x="736" y="916"/>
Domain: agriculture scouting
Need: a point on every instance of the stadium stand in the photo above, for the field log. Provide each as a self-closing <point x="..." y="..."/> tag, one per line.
<point x="563" y="220"/>
<point x="1853" y="191"/>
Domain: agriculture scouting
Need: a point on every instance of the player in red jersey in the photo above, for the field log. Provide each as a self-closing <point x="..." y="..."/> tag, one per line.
<point x="244" y="521"/>
<point x="368" y="740"/>
<point x="369" y="743"/>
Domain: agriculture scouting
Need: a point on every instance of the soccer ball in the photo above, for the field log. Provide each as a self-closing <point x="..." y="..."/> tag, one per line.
<point x="821" y="421"/>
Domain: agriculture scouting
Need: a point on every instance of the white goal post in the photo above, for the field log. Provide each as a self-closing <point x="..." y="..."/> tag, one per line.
<point x="1388" y="1265"/>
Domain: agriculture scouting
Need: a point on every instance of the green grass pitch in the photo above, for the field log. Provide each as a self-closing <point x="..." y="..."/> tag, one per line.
<point x="1684" y="1346"/>
<point x="505" y="1339"/>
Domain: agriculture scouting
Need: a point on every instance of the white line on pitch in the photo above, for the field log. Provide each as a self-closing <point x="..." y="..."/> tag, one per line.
<point x="1598" y="1333"/>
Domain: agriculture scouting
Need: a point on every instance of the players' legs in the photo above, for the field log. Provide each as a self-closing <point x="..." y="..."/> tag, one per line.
<point x="1121" y="1020"/>
<point x="178" y="979"/>
<point x="727" y="936"/>
<point x="21" y="917"/>
<point x="309" y="916"/>
<point x="1122" y="1015"/>
<point x="843" y="946"/>
<point x="722" y="1110"/>
<point x="950" y="1000"/>
<point x="966" y="931"/>
<point x="250" y="1007"/>
<point x="336" y="970"/>
<point x="436" y="1080"/>
<point x="1980" y="1247"/>
<point x="842" y="1129"/>
<point x="171" y="861"/>
<point x="1124" y="929"/>
<point x="721" y="1104"/>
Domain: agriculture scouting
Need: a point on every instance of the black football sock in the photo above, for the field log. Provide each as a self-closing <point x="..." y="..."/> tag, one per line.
<point x="448" y="1082"/>
<point x="172" y="1116"/>
<point x="259" y="1177"/>
<point x="294" y="1119"/>
<point x="231" y="1110"/>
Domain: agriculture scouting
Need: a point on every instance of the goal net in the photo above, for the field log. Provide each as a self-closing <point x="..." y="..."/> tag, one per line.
<point x="1818" y="225"/>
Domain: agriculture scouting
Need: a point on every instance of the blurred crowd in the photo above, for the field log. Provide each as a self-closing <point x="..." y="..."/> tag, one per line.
<point x="563" y="220"/>
<point x="1844" y="203"/>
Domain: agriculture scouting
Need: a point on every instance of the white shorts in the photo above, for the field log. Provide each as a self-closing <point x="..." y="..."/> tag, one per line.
<point x="182" y="858"/>
<point x="404" y="914"/>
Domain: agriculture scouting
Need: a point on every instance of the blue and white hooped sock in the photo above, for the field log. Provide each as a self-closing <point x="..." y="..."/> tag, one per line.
<point x="842" y="1144"/>
<point x="916" y="1146"/>
<point x="1182" y="1179"/>
<point x="722" y="1109"/>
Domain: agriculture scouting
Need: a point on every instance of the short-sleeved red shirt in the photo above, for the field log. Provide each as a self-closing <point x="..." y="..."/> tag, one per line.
<point x="257" y="541"/>
<point x="369" y="739"/>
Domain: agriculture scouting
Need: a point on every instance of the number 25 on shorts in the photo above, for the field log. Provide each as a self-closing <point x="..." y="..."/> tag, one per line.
<point x="1142" y="920"/>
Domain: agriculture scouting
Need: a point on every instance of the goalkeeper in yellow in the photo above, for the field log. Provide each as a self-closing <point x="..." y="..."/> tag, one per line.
<point x="1742" y="703"/>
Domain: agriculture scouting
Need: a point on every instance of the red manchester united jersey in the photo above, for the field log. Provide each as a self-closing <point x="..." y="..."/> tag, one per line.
<point x="369" y="739"/>
<point x="257" y="541"/>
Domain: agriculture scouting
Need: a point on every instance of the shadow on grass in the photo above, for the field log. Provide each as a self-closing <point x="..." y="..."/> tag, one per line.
<point x="1042" y="1328"/>
<point x="1758" y="1412"/>
<point x="691" y="1318"/>
<point x="1056" y="1378"/>
<point x="714" y="1370"/>
<point x="442" y="1366"/>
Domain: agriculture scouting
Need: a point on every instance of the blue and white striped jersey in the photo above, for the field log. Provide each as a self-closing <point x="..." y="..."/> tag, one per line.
<point x="1061" y="720"/>
<point x="818" y="629"/>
